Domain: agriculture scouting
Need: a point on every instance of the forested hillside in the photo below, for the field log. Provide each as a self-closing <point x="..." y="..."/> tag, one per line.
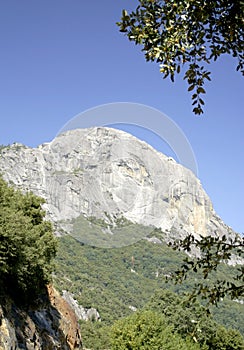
<point x="119" y="281"/>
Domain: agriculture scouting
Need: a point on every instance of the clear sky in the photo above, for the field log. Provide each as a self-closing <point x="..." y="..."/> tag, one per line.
<point x="61" y="57"/>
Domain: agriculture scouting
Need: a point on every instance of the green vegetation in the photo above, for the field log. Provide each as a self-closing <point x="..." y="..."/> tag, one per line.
<point x="115" y="281"/>
<point x="2" y="147"/>
<point x="187" y="35"/>
<point x="213" y="251"/>
<point x="98" y="233"/>
<point x="14" y="146"/>
<point x="96" y="335"/>
<point x="77" y="171"/>
<point x="191" y="320"/>
<point x="27" y="244"/>
<point x="172" y="325"/>
<point x="147" y="330"/>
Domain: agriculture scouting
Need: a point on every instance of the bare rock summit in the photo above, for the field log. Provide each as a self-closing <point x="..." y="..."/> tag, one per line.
<point x="109" y="174"/>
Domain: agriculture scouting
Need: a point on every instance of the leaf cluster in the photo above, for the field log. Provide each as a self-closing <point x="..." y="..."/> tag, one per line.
<point x="213" y="251"/>
<point x="188" y="34"/>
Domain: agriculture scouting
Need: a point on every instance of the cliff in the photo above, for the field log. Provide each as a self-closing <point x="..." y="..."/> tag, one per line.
<point x="50" y="326"/>
<point x="109" y="174"/>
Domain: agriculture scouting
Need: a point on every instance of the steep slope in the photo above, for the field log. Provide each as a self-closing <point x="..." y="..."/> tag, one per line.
<point x="110" y="174"/>
<point x="50" y="325"/>
<point x="116" y="282"/>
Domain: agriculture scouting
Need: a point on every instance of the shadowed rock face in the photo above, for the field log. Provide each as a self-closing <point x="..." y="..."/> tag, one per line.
<point x="50" y="326"/>
<point x="104" y="172"/>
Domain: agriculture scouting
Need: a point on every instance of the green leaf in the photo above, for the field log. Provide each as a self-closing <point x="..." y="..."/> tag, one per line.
<point x="191" y="87"/>
<point x="200" y="90"/>
<point x="124" y="13"/>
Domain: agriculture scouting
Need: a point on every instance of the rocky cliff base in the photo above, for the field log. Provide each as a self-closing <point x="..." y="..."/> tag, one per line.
<point x="50" y="326"/>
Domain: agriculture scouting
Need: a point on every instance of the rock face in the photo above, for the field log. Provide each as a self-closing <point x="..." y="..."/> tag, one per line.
<point x="108" y="174"/>
<point x="81" y="313"/>
<point x="51" y="326"/>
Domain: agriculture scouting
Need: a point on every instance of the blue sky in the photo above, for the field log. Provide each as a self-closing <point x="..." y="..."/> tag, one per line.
<point x="61" y="57"/>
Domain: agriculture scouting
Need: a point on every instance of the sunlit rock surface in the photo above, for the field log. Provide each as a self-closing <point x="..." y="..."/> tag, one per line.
<point x="50" y="326"/>
<point x="108" y="174"/>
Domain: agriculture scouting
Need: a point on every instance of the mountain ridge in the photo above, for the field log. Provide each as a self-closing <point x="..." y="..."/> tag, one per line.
<point x="109" y="174"/>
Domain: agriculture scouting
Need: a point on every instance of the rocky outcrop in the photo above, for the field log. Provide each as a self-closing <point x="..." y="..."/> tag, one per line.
<point x="108" y="174"/>
<point x="50" y="326"/>
<point x="81" y="313"/>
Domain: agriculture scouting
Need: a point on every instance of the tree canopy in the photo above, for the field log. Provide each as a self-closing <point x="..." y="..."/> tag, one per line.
<point x="187" y="34"/>
<point x="27" y="243"/>
<point x="147" y="330"/>
<point x="168" y="322"/>
<point x="189" y="320"/>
